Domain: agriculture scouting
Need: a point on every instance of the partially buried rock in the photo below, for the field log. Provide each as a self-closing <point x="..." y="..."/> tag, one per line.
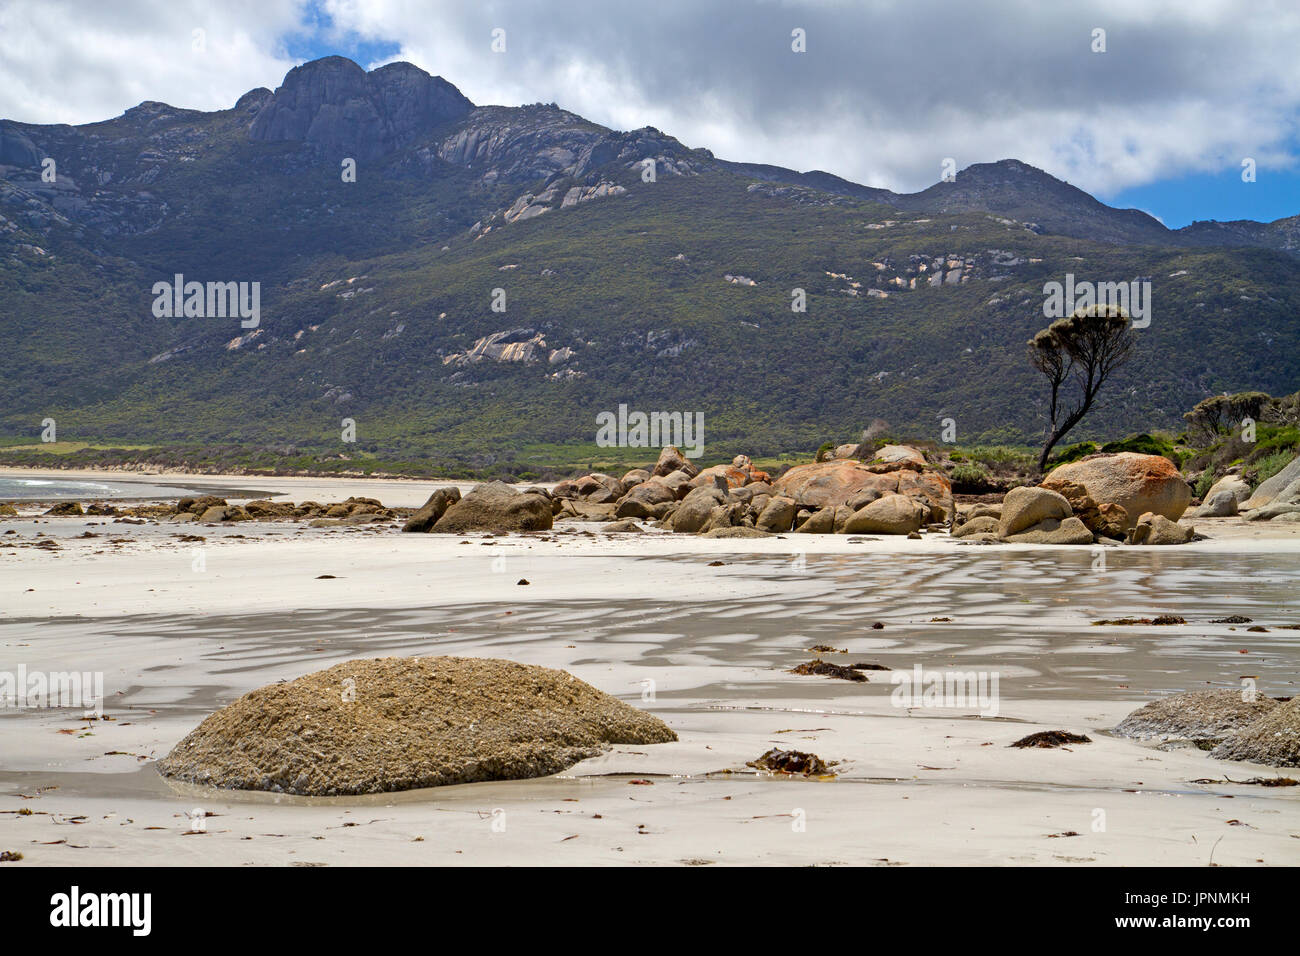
<point x="737" y="531"/>
<point x="64" y="509"/>
<point x="370" y="726"/>
<point x="777" y="515"/>
<point x="625" y="526"/>
<point x="1273" y="739"/>
<point x="819" y="522"/>
<point x="1208" y="715"/>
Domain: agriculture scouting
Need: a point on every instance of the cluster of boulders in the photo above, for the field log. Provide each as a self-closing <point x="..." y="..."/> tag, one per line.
<point x="895" y="492"/>
<point x="210" y="509"/>
<point x="1231" y="724"/>
<point x="1125" y="497"/>
<point x="1276" y="498"/>
<point x="1136" y="499"/>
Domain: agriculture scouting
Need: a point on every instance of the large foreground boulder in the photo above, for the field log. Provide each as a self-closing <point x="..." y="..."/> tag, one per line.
<point x="1274" y="739"/>
<point x="1136" y="483"/>
<point x="497" y="507"/>
<point x="371" y="726"/>
<point x="1207" y="715"/>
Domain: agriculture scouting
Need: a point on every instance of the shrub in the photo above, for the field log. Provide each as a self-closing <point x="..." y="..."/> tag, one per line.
<point x="1204" y="483"/>
<point x="1082" y="450"/>
<point x="1270" y="465"/>
<point x="969" y="478"/>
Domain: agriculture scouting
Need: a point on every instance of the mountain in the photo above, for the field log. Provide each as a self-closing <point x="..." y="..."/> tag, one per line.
<point x="378" y="295"/>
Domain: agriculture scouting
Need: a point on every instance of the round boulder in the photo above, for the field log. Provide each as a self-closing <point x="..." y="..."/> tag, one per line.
<point x="372" y="726"/>
<point x="1137" y="483"/>
<point x="1022" y="508"/>
<point x="892" y="514"/>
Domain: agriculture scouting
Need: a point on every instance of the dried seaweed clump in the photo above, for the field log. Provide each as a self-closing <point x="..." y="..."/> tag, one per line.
<point x="792" y="762"/>
<point x="827" y="669"/>
<point x="1052" y="738"/>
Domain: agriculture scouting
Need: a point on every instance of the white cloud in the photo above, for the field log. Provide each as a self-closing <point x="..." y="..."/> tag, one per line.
<point x="884" y="93"/>
<point x="63" y="61"/>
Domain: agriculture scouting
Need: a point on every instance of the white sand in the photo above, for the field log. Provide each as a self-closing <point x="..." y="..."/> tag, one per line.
<point x="916" y="787"/>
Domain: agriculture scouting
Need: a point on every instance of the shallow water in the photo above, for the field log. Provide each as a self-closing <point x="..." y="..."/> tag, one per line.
<point x="68" y="489"/>
<point x="1024" y="615"/>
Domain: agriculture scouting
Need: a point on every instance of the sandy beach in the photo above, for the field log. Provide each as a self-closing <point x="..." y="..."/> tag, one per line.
<point x="180" y="628"/>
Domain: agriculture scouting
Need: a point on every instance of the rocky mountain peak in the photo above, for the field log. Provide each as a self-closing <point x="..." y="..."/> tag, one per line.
<point x="336" y="106"/>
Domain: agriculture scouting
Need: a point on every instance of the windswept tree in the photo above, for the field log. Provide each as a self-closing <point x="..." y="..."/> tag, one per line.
<point x="1218" y="413"/>
<point x="1077" y="354"/>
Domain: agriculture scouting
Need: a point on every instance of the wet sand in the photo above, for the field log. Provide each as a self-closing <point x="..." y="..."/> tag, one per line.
<point x="918" y="785"/>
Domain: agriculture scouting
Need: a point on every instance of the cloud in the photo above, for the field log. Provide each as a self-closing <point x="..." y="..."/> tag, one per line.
<point x="64" y="61"/>
<point x="885" y="92"/>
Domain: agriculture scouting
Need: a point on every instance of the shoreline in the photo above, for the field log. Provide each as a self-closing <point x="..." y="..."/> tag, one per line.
<point x="915" y="786"/>
<point x="182" y="619"/>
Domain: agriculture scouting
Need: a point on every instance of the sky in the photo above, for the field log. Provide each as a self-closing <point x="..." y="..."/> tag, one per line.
<point x="883" y="92"/>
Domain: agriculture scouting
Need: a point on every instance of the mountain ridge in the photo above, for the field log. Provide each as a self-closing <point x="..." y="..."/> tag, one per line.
<point x="377" y="295"/>
<point x="334" y="104"/>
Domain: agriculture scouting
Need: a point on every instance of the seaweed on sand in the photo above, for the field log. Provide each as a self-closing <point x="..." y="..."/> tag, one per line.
<point x="1143" y="621"/>
<point x="1052" y="738"/>
<point x="827" y="669"/>
<point x="792" y="762"/>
